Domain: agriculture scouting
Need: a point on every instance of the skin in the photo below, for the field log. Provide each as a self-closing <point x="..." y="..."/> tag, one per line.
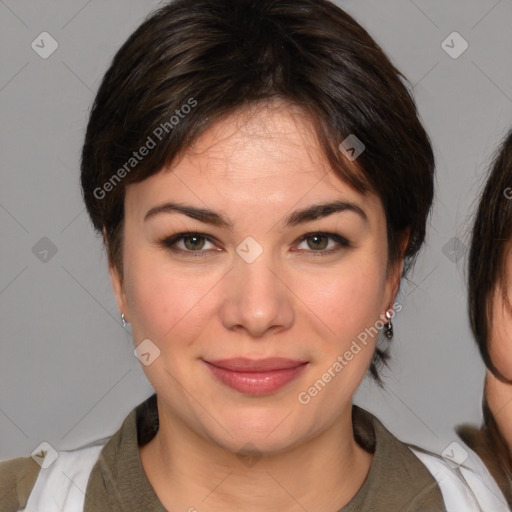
<point x="255" y="168"/>
<point x="498" y="393"/>
<point x="499" y="399"/>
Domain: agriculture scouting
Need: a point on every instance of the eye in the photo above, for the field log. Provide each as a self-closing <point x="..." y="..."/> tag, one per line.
<point x="319" y="242"/>
<point x="191" y="243"/>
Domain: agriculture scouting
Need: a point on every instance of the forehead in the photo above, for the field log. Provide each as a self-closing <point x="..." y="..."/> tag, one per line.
<point x="267" y="140"/>
<point x="264" y="158"/>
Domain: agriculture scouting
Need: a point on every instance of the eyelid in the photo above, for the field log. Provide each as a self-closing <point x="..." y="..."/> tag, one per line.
<point x="341" y="240"/>
<point x="171" y="241"/>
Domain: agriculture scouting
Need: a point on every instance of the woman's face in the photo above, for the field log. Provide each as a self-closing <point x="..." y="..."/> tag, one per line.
<point x="500" y="346"/>
<point x="254" y="286"/>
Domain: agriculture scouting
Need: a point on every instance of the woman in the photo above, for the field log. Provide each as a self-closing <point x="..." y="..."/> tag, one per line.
<point x="261" y="180"/>
<point x="490" y="308"/>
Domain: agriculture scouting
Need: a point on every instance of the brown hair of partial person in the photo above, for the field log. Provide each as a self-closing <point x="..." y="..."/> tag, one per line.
<point x="226" y="55"/>
<point x="490" y="247"/>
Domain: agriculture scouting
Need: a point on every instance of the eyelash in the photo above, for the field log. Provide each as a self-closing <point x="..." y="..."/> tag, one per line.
<point x="170" y="242"/>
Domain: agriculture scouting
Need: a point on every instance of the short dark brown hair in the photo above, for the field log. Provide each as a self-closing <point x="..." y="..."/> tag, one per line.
<point x="491" y="240"/>
<point x="220" y="56"/>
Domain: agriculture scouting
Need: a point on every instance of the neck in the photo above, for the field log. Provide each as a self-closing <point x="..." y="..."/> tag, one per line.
<point x="499" y="400"/>
<point x="190" y="472"/>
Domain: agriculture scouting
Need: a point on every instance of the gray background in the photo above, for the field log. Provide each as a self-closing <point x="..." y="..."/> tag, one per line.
<point x="67" y="370"/>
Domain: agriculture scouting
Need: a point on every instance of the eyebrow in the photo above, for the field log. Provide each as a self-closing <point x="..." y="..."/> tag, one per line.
<point x="313" y="212"/>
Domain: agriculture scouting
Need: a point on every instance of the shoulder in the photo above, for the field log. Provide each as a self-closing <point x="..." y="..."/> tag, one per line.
<point x="457" y="481"/>
<point x="17" y="479"/>
<point x="493" y="451"/>
<point x="60" y="477"/>
<point x="398" y="479"/>
<point x="463" y="479"/>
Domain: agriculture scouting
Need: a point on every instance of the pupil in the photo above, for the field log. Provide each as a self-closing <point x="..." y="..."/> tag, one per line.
<point x="316" y="239"/>
<point x="194" y="243"/>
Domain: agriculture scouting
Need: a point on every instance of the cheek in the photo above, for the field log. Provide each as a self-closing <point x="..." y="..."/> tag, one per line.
<point x="170" y="303"/>
<point x="344" y="309"/>
<point x="164" y="302"/>
<point x="348" y="299"/>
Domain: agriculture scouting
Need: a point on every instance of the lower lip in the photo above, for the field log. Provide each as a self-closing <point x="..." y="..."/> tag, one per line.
<point x="257" y="383"/>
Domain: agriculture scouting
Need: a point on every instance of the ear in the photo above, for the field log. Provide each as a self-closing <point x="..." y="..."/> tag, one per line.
<point x="117" y="285"/>
<point x="397" y="268"/>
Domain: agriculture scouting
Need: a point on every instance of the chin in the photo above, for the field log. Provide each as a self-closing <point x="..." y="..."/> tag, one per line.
<point x="261" y="433"/>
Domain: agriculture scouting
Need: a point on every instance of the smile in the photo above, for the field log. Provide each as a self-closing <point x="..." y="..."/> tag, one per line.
<point x="256" y="377"/>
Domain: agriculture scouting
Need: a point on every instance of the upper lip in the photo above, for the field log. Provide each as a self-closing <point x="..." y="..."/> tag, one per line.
<point x="243" y="364"/>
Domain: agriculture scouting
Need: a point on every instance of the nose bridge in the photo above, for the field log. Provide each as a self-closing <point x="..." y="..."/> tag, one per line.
<point x="256" y="298"/>
<point x="255" y="275"/>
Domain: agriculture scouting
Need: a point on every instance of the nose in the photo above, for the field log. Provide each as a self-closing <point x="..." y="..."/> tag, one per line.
<point x="256" y="300"/>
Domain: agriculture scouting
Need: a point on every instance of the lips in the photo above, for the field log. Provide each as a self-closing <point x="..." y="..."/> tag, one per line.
<point x="256" y="377"/>
<point x="242" y="364"/>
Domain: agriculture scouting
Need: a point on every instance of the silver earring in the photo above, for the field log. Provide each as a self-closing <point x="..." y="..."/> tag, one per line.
<point x="388" y="328"/>
<point x="124" y="321"/>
